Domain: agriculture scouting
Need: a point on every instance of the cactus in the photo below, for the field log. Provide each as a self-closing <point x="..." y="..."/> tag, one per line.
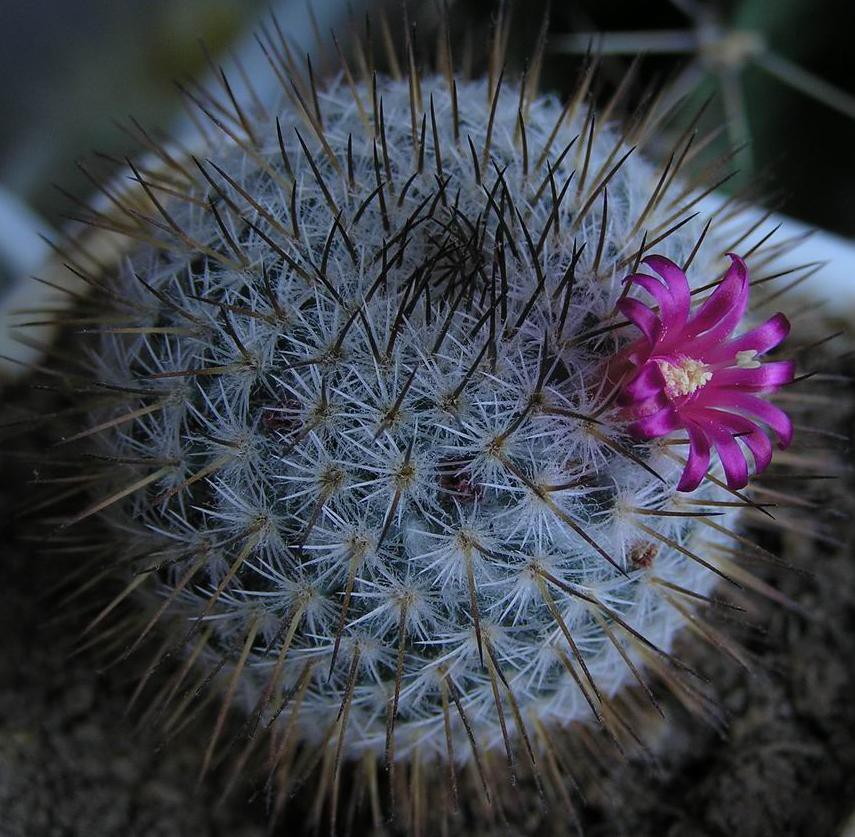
<point x="371" y="456"/>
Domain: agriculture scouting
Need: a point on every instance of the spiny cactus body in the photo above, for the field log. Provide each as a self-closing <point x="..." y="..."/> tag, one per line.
<point x="395" y="456"/>
<point x="367" y="452"/>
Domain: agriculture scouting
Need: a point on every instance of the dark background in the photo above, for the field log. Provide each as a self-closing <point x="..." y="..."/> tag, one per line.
<point x="68" y="68"/>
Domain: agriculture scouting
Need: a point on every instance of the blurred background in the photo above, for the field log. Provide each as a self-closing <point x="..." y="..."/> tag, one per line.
<point x="782" y="75"/>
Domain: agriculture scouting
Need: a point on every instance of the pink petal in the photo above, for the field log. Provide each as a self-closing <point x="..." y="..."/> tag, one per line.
<point x="761" y="339"/>
<point x="721" y="313"/>
<point x="761" y="449"/>
<point x="641" y="316"/>
<point x="731" y="455"/>
<point x="698" y="462"/>
<point x="647" y="383"/>
<point x="769" y="376"/>
<point x="678" y="286"/>
<point x="660" y="423"/>
<point x="669" y="319"/>
<point x="754" y="438"/>
<point x="768" y="413"/>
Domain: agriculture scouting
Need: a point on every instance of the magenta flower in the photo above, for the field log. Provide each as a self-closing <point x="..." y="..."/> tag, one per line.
<point x="689" y="373"/>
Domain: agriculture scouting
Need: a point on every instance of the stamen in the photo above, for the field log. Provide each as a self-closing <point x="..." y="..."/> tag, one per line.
<point x="685" y="377"/>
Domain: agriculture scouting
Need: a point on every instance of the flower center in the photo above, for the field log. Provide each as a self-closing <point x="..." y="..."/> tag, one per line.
<point x="685" y="377"/>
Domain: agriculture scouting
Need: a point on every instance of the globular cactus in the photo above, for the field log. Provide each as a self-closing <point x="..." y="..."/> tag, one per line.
<point x="377" y="419"/>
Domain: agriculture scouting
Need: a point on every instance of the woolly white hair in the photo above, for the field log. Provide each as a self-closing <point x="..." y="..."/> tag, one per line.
<point x="396" y="504"/>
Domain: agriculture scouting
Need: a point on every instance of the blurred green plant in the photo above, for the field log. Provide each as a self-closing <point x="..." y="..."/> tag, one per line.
<point x="73" y="64"/>
<point x="768" y="66"/>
